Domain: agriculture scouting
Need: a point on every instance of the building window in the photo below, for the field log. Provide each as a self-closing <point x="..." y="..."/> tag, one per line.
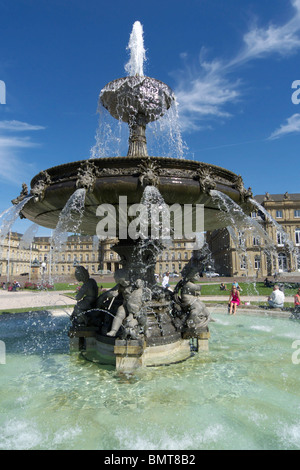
<point x="242" y="239"/>
<point x="282" y="262"/>
<point x="278" y="214"/>
<point x="257" y="262"/>
<point x="280" y="241"/>
<point x="297" y="213"/>
<point x="256" y="241"/>
<point x="243" y="262"/>
<point x="297" y="236"/>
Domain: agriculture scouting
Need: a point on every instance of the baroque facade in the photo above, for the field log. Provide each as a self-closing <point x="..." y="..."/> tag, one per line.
<point x="97" y="257"/>
<point x="248" y="255"/>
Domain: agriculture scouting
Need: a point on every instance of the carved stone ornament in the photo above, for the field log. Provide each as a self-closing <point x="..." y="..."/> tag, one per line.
<point x="239" y="185"/>
<point x="249" y="193"/>
<point x="86" y="176"/>
<point x="22" y="196"/>
<point x="39" y="189"/>
<point x="148" y="173"/>
<point x="206" y="179"/>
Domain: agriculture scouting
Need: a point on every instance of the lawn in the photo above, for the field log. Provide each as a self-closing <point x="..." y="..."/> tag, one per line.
<point x="248" y="288"/>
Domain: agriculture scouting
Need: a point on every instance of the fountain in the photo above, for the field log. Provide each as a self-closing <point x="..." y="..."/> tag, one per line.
<point x="136" y="323"/>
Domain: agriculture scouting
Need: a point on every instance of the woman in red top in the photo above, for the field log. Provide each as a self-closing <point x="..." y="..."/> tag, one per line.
<point x="234" y="300"/>
<point x="297" y="298"/>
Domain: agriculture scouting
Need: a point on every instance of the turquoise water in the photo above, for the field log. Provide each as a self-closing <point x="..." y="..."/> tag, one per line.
<point x="242" y="394"/>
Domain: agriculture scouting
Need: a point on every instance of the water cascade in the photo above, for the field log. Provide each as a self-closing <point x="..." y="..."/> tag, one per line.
<point x="69" y="221"/>
<point x="289" y="246"/>
<point x="138" y="100"/>
<point x="9" y="217"/>
<point x="240" y="226"/>
<point x="28" y="237"/>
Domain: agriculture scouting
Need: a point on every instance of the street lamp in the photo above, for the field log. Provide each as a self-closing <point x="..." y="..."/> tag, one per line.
<point x="43" y="265"/>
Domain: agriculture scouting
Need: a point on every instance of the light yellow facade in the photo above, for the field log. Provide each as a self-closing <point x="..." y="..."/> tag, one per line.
<point x="15" y="259"/>
<point x="97" y="258"/>
<point x="248" y="255"/>
<point x="172" y="259"/>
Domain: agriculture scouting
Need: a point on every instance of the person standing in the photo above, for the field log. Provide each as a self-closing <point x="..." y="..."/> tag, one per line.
<point x="166" y="281"/>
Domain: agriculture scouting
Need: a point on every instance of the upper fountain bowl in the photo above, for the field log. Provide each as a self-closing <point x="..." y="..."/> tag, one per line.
<point x="129" y="97"/>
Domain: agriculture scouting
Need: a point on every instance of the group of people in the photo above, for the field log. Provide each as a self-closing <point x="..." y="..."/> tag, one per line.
<point x="275" y="299"/>
<point x="11" y="287"/>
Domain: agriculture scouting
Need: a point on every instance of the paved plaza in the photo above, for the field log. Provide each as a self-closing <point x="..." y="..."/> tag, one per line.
<point x="50" y="299"/>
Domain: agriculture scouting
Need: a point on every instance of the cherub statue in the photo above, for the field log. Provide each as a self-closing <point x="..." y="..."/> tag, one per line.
<point x="132" y="302"/>
<point x="86" y="296"/>
<point x="196" y="313"/>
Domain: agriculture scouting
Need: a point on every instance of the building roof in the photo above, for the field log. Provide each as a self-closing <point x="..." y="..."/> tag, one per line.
<point x="277" y="197"/>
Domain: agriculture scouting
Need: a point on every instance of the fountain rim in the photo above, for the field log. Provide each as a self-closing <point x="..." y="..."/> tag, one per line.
<point x="173" y="162"/>
<point x="142" y="79"/>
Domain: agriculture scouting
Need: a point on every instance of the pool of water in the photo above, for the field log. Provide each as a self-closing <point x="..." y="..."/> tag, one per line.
<point x="242" y="394"/>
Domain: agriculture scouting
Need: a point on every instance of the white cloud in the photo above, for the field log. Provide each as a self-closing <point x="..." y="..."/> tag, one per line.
<point x="13" y="168"/>
<point x="282" y="40"/>
<point x="19" y="126"/>
<point x="291" y="126"/>
<point x="205" y="97"/>
<point x="15" y="142"/>
<point x="208" y="92"/>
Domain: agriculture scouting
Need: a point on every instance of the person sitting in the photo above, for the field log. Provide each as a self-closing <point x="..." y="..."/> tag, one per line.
<point x="236" y="284"/>
<point x="222" y="286"/>
<point x="267" y="283"/>
<point x="234" y="300"/>
<point x="276" y="299"/>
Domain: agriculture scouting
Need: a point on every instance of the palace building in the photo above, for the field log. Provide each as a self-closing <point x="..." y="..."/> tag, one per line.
<point x="243" y="254"/>
<point x="97" y="257"/>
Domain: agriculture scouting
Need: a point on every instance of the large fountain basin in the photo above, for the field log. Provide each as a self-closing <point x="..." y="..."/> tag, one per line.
<point x="106" y="179"/>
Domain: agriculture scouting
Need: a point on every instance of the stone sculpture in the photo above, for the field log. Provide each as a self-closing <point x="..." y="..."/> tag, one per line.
<point x="86" y="296"/>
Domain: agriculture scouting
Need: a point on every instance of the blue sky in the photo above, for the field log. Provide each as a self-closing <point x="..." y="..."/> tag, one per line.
<point x="231" y="64"/>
